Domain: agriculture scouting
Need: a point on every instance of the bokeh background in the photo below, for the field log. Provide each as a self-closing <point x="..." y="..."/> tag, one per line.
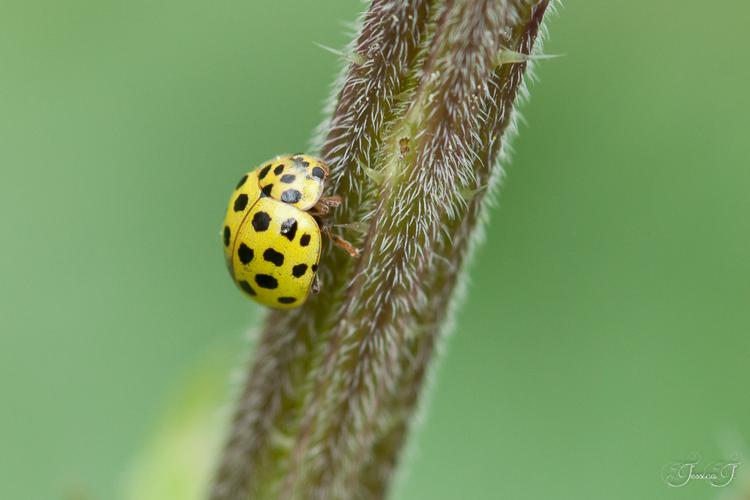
<point x="605" y="332"/>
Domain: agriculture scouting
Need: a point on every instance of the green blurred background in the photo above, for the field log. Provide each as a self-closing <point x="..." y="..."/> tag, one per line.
<point x="605" y="332"/>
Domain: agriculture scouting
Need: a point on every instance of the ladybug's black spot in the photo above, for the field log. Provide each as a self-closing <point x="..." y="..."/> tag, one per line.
<point x="242" y="181"/>
<point x="314" y="267"/>
<point x="305" y="240"/>
<point x="287" y="300"/>
<point x="299" y="161"/>
<point x="291" y="196"/>
<point x="288" y="178"/>
<point x="266" y="281"/>
<point x="264" y="172"/>
<point x="240" y="203"/>
<point x="267" y="189"/>
<point x="278" y="169"/>
<point x="245" y="253"/>
<point x="261" y="221"/>
<point x="271" y="255"/>
<point x="227" y="234"/>
<point x="299" y="270"/>
<point x="289" y="229"/>
<point x="246" y="287"/>
<point x="318" y="172"/>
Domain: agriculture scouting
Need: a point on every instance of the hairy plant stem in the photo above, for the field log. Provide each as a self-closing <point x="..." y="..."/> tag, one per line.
<point x="418" y="124"/>
<point x="461" y="235"/>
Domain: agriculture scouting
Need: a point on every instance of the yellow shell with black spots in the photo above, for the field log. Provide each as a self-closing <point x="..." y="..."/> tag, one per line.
<point x="294" y="179"/>
<point x="271" y="247"/>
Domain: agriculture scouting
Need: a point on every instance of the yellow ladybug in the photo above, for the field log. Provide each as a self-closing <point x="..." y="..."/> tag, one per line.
<point x="272" y="230"/>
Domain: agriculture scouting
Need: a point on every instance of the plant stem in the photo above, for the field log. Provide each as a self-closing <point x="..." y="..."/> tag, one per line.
<point x="418" y="123"/>
<point x="269" y="405"/>
<point x="505" y="84"/>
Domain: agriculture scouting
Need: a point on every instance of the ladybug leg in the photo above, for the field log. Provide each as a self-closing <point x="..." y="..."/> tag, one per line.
<point x="315" y="287"/>
<point x="319" y="210"/>
<point x="340" y="242"/>
<point x="324" y="205"/>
